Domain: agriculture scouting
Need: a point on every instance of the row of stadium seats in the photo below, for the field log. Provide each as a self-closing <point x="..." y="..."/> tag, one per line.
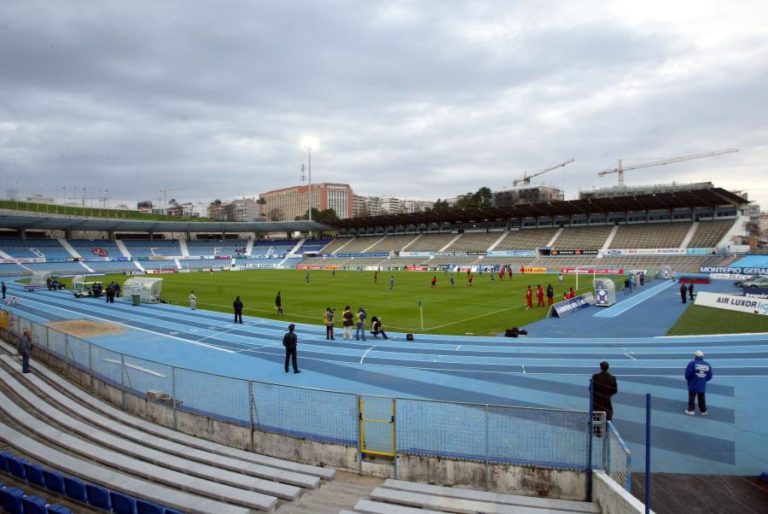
<point x="66" y="486"/>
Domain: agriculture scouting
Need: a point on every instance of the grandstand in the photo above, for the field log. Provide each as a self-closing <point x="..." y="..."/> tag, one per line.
<point x="515" y="237"/>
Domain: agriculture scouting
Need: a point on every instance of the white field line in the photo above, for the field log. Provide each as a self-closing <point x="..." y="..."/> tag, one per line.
<point x="138" y="368"/>
<point x="366" y="353"/>
<point x="427" y="329"/>
<point x="142" y="329"/>
<point x="271" y="311"/>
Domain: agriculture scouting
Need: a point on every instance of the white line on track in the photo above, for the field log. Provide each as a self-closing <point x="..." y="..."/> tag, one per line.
<point x="366" y="353"/>
<point x="137" y="368"/>
<point x="524" y="369"/>
<point x="212" y="347"/>
<point x="628" y="355"/>
<point x="216" y="334"/>
<point x="457" y="348"/>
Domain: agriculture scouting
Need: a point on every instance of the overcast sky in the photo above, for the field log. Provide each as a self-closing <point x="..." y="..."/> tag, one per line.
<point x="423" y="99"/>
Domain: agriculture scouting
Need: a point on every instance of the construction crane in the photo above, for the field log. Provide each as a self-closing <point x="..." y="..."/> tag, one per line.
<point x="526" y="178"/>
<point x="621" y="169"/>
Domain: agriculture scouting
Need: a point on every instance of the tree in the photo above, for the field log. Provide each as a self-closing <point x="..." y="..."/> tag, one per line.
<point x="276" y="214"/>
<point x="325" y="216"/>
<point x="441" y="206"/>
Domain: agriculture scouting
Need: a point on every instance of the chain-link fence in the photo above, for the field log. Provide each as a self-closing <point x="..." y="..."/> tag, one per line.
<point x="549" y="438"/>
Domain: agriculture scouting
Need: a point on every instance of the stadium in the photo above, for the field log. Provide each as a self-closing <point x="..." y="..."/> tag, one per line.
<point x="150" y="403"/>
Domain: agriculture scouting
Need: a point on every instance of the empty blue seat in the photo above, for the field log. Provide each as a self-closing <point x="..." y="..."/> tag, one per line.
<point x="122" y="503"/>
<point x="3" y="462"/>
<point x="54" y="481"/>
<point x="34" y="505"/>
<point x="55" y="508"/>
<point x="75" y="489"/>
<point x="16" y="467"/>
<point x="172" y="511"/>
<point x="11" y="499"/>
<point x="145" y="507"/>
<point x="98" y="496"/>
<point x="34" y="474"/>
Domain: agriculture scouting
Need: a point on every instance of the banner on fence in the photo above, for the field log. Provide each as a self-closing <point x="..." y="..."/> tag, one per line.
<point x="734" y="270"/>
<point x="524" y="269"/>
<point x="596" y="271"/>
<point x="416" y="254"/>
<point x="645" y="251"/>
<point x="756" y="292"/>
<point x="512" y="253"/>
<point x="732" y="302"/>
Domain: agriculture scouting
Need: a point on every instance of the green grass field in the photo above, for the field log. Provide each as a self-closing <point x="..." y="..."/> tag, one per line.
<point x="707" y="320"/>
<point x="487" y="308"/>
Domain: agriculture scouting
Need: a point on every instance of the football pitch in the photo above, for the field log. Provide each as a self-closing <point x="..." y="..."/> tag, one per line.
<point x="488" y="307"/>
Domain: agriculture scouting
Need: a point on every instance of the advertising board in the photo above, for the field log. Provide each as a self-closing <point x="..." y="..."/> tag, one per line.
<point x="732" y="303"/>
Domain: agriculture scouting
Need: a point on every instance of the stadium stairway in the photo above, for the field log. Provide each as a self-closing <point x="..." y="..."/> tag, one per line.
<point x="398" y="497"/>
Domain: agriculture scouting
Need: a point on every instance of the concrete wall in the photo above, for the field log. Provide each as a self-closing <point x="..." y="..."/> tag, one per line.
<point x="500" y="478"/>
<point x="613" y="498"/>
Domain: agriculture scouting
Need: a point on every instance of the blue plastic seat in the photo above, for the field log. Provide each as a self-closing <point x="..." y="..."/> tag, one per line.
<point x="74" y="488"/>
<point x="3" y="462"/>
<point x="145" y="507"/>
<point x="16" y="467"/>
<point x="34" y="505"/>
<point x="98" y="496"/>
<point x="55" y="508"/>
<point x="34" y="474"/>
<point x="11" y="499"/>
<point x="122" y="503"/>
<point x="172" y="511"/>
<point x="54" y="481"/>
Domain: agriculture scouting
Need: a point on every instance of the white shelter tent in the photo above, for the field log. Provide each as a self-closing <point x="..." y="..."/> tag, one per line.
<point x="148" y="289"/>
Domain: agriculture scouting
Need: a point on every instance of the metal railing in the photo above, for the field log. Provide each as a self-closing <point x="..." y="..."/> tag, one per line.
<point x="489" y="434"/>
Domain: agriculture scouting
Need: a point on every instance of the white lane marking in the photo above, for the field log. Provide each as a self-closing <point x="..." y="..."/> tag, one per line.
<point x="215" y="334"/>
<point x="523" y="369"/>
<point x="212" y="347"/>
<point x="457" y="348"/>
<point x="137" y="368"/>
<point x="366" y="353"/>
<point x="628" y="355"/>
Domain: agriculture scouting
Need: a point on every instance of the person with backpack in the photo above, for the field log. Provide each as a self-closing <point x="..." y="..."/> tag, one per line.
<point x="376" y="328"/>
<point x="347" y="321"/>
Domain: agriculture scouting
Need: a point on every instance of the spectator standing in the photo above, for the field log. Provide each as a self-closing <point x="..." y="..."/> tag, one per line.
<point x="347" y="321"/>
<point x="690" y="291"/>
<point x="279" y="303"/>
<point x="376" y="328"/>
<point x="290" y="341"/>
<point x="4" y="289"/>
<point x="328" y="321"/>
<point x="192" y="300"/>
<point x="603" y="387"/>
<point x="25" y="348"/>
<point x="697" y="373"/>
<point x="238" y="306"/>
<point x="361" y="317"/>
<point x="683" y="292"/>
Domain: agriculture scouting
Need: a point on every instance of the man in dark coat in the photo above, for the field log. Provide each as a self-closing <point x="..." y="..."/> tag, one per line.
<point x="697" y="373"/>
<point x="690" y="291"/>
<point x="603" y="387"/>
<point x="24" y="349"/>
<point x="683" y="292"/>
<point x="238" y="306"/>
<point x="4" y="290"/>
<point x="279" y="303"/>
<point x="290" y="341"/>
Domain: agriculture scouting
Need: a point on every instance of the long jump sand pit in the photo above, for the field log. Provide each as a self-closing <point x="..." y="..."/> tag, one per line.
<point x="86" y="328"/>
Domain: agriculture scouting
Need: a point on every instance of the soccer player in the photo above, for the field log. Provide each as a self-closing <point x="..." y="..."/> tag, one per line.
<point x="391" y="282"/>
<point x="471" y="278"/>
<point x="529" y="298"/>
<point x="434" y="281"/>
<point x="453" y="280"/>
<point x="540" y="295"/>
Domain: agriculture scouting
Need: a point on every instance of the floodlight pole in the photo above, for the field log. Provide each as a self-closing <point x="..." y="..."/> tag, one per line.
<point x="309" y="174"/>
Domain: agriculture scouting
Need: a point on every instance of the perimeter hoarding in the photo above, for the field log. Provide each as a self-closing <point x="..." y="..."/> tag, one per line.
<point x="732" y="303"/>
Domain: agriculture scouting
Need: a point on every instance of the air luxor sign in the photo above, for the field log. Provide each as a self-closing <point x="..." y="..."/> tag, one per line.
<point x="733" y="303"/>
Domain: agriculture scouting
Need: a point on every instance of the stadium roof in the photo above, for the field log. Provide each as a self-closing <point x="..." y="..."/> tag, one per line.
<point x="11" y="220"/>
<point x="706" y="197"/>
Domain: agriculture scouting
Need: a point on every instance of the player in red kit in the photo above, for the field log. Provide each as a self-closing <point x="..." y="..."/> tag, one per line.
<point x="529" y="298"/>
<point x="540" y="295"/>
